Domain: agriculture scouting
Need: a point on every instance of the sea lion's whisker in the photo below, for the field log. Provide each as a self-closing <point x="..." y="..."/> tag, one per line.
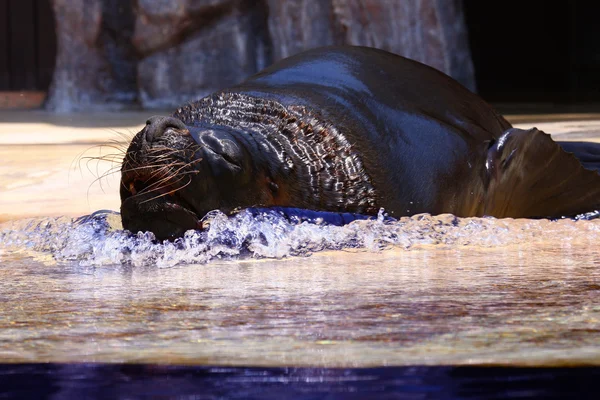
<point x="160" y="188"/>
<point x="191" y="163"/>
<point x="144" y="167"/>
<point x="162" y="184"/>
<point x="96" y="173"/>
<point x="122" y="137"/>
<point x="106" y="157"/>
<point x="114" y="158"/>
<point x="159" y="149"/>
<point x="116" y="169"/>
<point x="168" y="193"/>
<point x="119" y="144"/>
<point x="110" y="171"/>
<point x="165" y="177"/>
<point x="99" y="179"/>
<point x="165" y="170"/>
<point x="168" y="175"/>
<point x="162" y="157"/>
<point x="110" y="157"/>
<point x="158" y="170"/>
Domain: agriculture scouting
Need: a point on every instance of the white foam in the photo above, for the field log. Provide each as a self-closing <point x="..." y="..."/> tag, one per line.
<point x="93" y="241"/>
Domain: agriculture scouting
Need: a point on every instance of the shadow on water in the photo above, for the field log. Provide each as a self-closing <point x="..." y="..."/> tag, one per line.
<point x="95" y="381"/>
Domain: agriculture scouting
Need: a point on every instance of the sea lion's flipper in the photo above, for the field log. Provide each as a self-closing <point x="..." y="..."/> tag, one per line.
<point x="530" y="175"/>
<point x="588" y="153"/>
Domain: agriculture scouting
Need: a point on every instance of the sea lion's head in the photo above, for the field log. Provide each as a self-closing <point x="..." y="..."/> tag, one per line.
<point x="173" y="174"/>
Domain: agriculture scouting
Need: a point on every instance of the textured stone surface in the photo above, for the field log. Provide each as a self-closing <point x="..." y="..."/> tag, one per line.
<point x="95" y="65"/>
<point x="160" y="53"/>
<point x="295" y="26"/>
<point x="429" y="31"/>
<point x="214" y="44"/>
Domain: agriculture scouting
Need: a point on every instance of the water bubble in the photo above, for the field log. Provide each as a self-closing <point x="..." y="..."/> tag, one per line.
<point x="97" y="240"/>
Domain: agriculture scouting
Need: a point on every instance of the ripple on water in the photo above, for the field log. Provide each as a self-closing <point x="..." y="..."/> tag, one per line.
<point x="98" y="239"/>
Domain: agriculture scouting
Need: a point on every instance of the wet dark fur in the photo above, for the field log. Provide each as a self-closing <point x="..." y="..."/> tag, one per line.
<point x="348" y="129"/>
<point x="298" y="146"/>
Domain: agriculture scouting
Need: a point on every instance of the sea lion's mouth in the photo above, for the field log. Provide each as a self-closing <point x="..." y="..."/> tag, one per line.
<point x="161" y="209"/>
<point x="167" y="218"/>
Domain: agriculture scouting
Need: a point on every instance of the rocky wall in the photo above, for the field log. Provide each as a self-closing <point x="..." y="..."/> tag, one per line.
<point x="161" y="53"/>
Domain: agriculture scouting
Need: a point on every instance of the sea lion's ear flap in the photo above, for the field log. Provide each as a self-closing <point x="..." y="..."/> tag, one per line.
<point x="529" y="175"/>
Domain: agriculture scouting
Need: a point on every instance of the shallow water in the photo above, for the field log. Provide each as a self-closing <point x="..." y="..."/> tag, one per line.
<point x="260" y="291"/>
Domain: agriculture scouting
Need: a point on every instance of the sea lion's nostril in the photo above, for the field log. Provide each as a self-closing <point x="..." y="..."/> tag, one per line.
<point x="156" y="126"/>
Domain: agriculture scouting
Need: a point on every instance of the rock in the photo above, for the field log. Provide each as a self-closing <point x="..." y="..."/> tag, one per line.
<point x="162" y="53"/>
<point x="299" y="25"/>
<point x="215" y="44"/>
<point x="95" y="63"/>
<point x="429" y="31"/>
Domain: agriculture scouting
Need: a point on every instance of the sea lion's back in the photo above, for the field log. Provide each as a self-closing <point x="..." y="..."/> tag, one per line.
<point x="415" y="123"/>
<point x="342" y="78"/>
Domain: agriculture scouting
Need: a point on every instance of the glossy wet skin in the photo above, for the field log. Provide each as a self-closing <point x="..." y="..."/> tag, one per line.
<point x="349" y="129"/>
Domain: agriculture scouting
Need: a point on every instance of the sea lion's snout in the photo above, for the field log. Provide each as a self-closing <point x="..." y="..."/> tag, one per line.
<point x="163" y="144"/>
<point x="156" y="126"/>
<point x="160" y="163"/>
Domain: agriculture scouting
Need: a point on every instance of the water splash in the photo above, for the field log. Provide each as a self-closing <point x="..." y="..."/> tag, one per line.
<point x="98" y="240"/>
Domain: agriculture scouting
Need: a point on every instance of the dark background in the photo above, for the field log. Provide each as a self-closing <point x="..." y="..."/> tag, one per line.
<point x="523" y="52"/>
<point x="27" y="44"/>
<point x="533" y="51"/>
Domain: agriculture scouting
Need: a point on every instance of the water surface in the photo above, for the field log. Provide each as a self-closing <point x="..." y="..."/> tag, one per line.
<point x="422" y="291"/>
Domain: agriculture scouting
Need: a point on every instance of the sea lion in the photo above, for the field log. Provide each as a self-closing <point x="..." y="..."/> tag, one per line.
<point x="348" y="129"/>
